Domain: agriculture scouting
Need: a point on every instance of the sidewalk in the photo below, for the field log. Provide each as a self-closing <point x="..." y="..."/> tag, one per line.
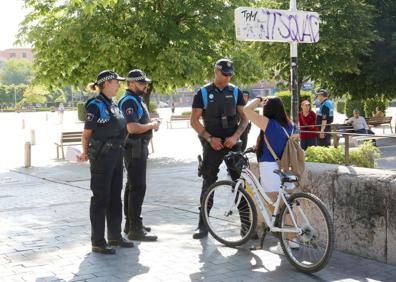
<point x="45" y="235"/>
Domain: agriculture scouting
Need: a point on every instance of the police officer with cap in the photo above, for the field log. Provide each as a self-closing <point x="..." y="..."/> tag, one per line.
<point x="102" y="143"/>
<point x="324" y="118"/>
<point x="220" y="104"/>
<point x="140" y="131"/>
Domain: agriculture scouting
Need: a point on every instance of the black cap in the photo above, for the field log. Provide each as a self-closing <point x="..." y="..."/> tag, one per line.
<point x="107" y="75"/>
<point x="225" y="66"/>
<point x="138" y="76"/>
<point x="322" y="92"/>
<point x="245" y="92"/>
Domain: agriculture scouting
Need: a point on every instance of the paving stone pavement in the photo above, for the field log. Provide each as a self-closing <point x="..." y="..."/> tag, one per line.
<point x="45" y="235"/>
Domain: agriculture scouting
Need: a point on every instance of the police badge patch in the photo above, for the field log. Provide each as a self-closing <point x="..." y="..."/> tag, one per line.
<point x="129" y="111"/>
<point x="90" y="116"/>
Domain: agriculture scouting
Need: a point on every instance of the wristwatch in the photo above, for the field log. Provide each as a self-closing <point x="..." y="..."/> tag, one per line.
<point x="209" y="139"/>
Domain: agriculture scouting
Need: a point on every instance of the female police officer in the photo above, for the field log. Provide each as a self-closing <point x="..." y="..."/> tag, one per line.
<point x="102" y="142"/>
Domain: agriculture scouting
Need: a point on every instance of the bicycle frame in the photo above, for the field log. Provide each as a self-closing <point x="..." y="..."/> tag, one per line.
<point x="258" y="193"/>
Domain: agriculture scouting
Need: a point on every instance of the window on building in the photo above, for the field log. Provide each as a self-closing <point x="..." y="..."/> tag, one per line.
<point x="24" y="55"/>
<point x="12" y="55"/>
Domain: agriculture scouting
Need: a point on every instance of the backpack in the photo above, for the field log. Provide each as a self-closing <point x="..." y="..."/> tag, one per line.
<point x="293" y="157"/>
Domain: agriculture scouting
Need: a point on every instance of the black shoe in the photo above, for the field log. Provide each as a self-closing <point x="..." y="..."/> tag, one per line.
<point x="141" y="235"/>
<point x="106" y="250"/>
<point x="126" y="228"/>
<point x="123" y="243"/>
<point x="200" y="233"/>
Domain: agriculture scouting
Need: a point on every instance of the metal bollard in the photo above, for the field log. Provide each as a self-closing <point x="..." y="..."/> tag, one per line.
<point x="28" y="154"/>
<point x="33" y="137"/>
<point x="23" y="124"/>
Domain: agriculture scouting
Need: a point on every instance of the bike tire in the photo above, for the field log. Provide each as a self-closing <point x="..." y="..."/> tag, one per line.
<point x="313" y="240"/>
<point x="240" y="221"/>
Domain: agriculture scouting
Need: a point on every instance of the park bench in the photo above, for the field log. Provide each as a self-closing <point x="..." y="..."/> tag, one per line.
<point x="177" y="118"/>
<point x="380" y="121"/>
<point x="68" y="139"/>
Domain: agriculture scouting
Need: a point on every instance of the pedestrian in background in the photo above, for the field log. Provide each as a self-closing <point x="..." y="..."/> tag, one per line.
<point x="307" y="120"/>
<point x="140" y="131"/>
<point x="102" y="143"/>
<point x="61" y="110"/>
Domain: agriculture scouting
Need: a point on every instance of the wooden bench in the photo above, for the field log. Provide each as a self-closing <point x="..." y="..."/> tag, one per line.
<point x="380" y="121"/>
<point x="175" y="118"/>
<point x="68" y="139"/>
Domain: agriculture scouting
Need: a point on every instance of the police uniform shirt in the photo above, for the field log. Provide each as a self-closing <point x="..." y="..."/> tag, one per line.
<point x="199" y="104"/>
<point x="130" y="110"/>
<point x="93" y="113"/>
<point x="324" y="114"/>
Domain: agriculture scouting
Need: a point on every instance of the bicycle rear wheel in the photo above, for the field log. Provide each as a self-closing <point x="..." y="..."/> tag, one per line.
<point x="311" y="250"/>
<point x="230" y="215"/>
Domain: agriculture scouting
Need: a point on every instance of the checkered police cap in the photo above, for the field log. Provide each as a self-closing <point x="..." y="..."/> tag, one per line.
<point x="107" y="75"/>
<point x="138" y="76"/>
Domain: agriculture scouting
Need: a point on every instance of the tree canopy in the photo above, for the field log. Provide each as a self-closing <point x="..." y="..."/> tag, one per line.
<point x="16" y="72"/>
<point x="175" y="42"/>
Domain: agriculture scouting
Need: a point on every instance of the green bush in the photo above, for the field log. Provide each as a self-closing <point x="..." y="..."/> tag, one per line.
<point x="81" y="111"/>
<point x="330" y="155"/>
<point x="378" y="101"/>
<point x="153" y="107"/>
<point x="285" y="96"/>
<point x="366" y="155"/>
<point x="187" y="113"/>
<point x="350" y="105"/>
<point x="341" y="107"/>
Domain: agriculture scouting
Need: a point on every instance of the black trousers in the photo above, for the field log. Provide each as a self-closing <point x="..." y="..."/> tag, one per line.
<point x="305" y="143"/>
<point x="106" y="205"/>
<point x="135" y="158"/>
<point x="326" y="141"/>
<point x="211" y="162"/>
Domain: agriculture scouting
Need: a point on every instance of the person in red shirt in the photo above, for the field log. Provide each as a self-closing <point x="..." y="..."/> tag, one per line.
<point x="307" y="120"/>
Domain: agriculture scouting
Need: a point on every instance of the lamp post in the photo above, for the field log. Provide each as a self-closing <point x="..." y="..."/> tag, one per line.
<point x="293" y="72"/>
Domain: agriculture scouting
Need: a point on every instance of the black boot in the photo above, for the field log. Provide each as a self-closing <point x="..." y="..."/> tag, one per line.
<point x="140" y="234"/>
<point x="202" y="230"/>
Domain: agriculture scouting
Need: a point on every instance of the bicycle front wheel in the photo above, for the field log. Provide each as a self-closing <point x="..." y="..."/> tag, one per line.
<point x="309" y="251"/>
<point x="229" y="214"/>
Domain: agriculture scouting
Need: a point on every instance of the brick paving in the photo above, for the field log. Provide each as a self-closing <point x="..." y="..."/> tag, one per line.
<point x="45" y="235"/>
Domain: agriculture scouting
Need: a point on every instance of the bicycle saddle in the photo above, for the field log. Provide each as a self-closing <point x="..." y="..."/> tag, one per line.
<point x="285" y="176"/>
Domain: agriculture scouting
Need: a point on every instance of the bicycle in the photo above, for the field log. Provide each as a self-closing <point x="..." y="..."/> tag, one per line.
<point x="300" y="220"/>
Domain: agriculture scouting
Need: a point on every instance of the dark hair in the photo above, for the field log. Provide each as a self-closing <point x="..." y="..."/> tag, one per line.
<point x="273" y="109"/>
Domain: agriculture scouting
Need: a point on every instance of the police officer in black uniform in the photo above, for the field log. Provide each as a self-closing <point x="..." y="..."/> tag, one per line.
<point x="102" y="142"/>
<point x="140" y="131"/>
<point x="324" y="118"/>
<point x="221" y="106"/>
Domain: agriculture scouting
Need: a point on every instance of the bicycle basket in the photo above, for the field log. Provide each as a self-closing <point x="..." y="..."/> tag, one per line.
<point x="235" y="162"/>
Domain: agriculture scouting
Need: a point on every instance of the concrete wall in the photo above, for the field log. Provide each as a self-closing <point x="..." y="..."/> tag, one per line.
<point x="362" y="203"/>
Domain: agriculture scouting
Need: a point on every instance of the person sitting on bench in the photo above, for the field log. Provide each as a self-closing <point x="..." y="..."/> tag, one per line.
<point x="359" y="123"/>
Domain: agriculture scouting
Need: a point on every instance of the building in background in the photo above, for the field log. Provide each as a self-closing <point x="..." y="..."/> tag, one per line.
<point x="16" y="53"/>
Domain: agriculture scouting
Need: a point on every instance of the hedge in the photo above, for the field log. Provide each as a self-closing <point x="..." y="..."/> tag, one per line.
<point x="366" y="155"/>
<point x="341" y="107"/>
<point x="285" y="96"/>
<point x="371" y="103"/>
<point x="350" y="105"/>
<point x="81" y="112"/>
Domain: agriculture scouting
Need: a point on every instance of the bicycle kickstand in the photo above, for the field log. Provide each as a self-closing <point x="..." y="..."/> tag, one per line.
<point x="261" y="245"/>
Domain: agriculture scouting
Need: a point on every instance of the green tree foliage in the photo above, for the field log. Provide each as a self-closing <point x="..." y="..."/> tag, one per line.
<point x="376" y="70"/>
<point x="176" y="43"/>
<point x="352" y="104"/>
<point x="346" y="32"/>
<point x="35" y="94"/>
<point x="10" y="93"/>
<point x="16" y="72"/>
<point x="81" y="112"/>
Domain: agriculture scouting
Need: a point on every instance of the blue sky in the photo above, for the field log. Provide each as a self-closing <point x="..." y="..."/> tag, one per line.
<point x="11" y="14"/>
